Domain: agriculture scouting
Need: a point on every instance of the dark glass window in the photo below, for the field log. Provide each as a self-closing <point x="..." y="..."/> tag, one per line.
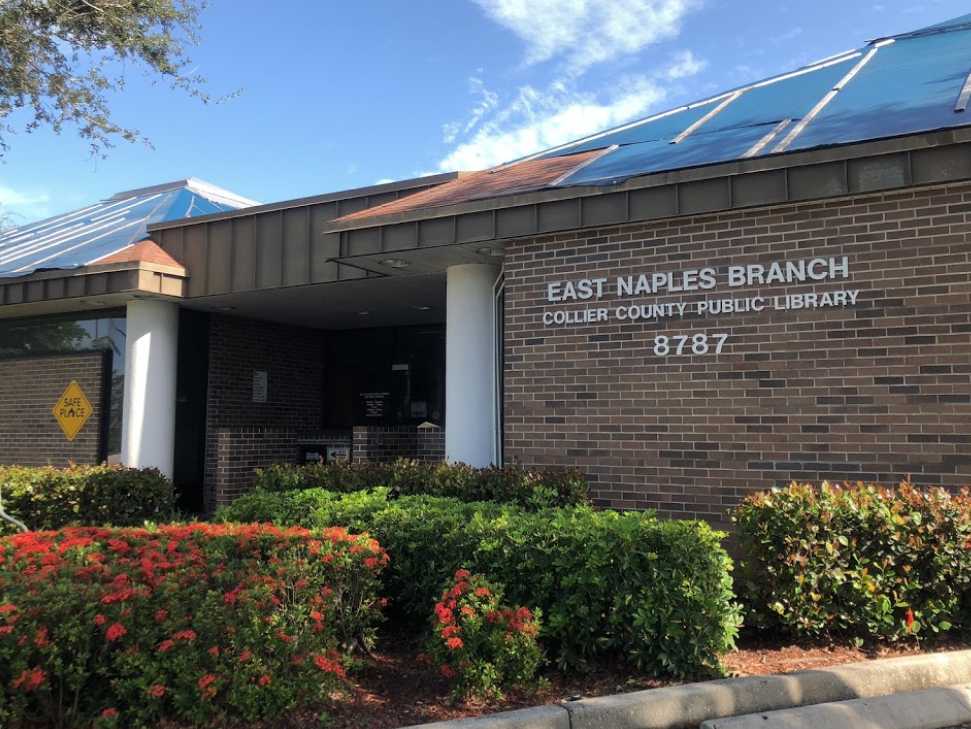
<point x="75" y="333"/>
<point x="385" y="376"/>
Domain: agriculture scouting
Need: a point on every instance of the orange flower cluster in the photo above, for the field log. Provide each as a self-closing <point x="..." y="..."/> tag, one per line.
<point x="139" y="603"/>
<point x="473" y="629"/>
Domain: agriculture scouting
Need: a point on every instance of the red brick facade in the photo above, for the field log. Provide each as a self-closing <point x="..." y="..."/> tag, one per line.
<point x="875" y="390"/>
<point x="29" y="387"/>
<point x="242" y="435"/>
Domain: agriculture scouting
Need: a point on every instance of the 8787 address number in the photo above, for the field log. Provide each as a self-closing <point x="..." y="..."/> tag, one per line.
<point x="698" y="343"/>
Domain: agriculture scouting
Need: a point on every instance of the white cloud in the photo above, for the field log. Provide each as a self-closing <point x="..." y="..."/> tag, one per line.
<point x="587" y="32"/>
<point x="487" y="101"/>
<point x="539" y="118"/>
<point x="21" y="207"/>
<point x="685" y="64"/>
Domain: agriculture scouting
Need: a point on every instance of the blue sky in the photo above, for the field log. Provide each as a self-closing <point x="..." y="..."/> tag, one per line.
<point x="334" y="95"/>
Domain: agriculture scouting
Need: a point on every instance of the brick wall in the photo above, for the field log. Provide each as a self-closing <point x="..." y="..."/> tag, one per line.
<point x="386" y="443"/>
<point x="872" y="391"/>
<point x="29" y="387"/>
<point x="242" y="435"/>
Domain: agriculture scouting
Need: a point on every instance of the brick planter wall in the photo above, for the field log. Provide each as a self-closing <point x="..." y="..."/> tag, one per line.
<point x="875" y="391"/>
<point x="29" y="387"/>
<point x="386" y="443"/>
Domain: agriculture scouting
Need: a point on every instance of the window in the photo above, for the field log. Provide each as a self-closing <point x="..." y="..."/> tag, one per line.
<point x="385" y="376"/>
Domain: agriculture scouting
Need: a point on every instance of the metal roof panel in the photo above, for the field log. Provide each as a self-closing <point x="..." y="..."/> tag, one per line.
<point x="82" y="236"/>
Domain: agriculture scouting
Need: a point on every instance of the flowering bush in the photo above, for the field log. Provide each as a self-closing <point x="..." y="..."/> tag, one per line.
<point x="655" y="593"/>
<point x="196" y="622"/>
<point x="511" y="484"/>
<point x="51" y="498"/>
<point x="478" y="644"/>
<point x="858" y="561"/>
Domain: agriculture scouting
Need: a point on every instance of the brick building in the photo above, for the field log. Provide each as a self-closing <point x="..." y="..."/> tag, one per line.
<point x="771" y="283"/>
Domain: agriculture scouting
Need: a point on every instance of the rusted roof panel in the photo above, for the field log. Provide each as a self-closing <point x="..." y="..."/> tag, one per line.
<point x="506" y="180"/>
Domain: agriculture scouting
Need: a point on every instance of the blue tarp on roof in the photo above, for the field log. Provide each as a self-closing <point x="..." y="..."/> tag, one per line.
<point x="904" y="84"/>
<point x="83" y="236"/>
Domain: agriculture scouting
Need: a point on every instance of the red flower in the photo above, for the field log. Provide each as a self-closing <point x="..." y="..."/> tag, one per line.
<point x="116" y="631"/>
<point x="909" y="619"/>
<point x="206" y="687"/>
<point x="100" y="619"/>
<point x="161" y="615"/>
<point x="165" y="646"/>
<point x="156" y="691"/>
<point x="40" y="638"/>
<point x="482" y="592"/>
<point x="454" y="643"/>
<point x="328" y="665"/>
<point x="245" y="655"/>
<point x="446" y="671"/>
<point x="30" y="680"/>
<point x="109" y="713"/>
<point x="264" y="680"/>
<point x="189" y="635"/>
<point x="462" y="575"/>
<point x="467" y="611"/>
<point x="214" y="651"/>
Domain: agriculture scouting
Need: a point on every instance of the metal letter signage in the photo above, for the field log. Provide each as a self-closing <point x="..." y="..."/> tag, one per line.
<point x="698" y="281"/>
<point x="72" y="410"/>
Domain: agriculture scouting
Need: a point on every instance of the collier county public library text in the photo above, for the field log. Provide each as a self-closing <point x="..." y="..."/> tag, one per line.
<point x="771" y="283"/>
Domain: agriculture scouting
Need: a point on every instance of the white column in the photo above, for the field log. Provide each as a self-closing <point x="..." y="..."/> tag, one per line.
<point x="469" y="364"/>
<point x="148" y="420"/>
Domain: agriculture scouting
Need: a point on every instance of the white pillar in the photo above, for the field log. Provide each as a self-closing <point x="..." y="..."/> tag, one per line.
<point x="469" y="364"/>
<point x="148" y="420"/>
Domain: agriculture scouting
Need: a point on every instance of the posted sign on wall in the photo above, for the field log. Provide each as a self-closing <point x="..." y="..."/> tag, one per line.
<point x="72" y="410"/>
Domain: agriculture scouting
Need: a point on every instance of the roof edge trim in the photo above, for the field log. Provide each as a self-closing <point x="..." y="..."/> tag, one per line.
<point x="298" y="202"/>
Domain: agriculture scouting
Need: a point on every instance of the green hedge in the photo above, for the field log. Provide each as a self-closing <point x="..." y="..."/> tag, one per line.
<point x="657" y="593"/>
<point x="511" y="484"/>
<point x="50" y="498"/>
<point x="862" y="562"/>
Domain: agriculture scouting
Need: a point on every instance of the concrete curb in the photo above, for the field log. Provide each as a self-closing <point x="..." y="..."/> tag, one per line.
<point x="687" y="706"/>
<point x="928" y="709"/>
<point x="553" y="716"/>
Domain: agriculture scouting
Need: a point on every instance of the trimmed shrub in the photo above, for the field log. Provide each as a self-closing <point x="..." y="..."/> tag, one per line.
<point x="197" y="623"/>
<point x="511" y="484"/>
<point x="479" y="644"/>
<point x="860" y="561"/>
<point x="658" y="593"/>
<point x="51" y="498"/>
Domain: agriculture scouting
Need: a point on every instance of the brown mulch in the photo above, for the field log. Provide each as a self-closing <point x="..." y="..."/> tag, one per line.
<point x="394" y="689"/>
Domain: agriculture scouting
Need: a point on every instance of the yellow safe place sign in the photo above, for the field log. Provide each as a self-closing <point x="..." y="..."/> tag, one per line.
<point x="72" y="410"/>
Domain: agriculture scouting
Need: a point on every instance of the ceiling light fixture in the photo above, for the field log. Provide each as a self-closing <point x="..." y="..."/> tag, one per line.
<point x="395" y="263"/>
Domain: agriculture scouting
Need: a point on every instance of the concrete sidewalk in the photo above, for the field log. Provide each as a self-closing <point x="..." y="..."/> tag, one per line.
<point x="688" y="706"/>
